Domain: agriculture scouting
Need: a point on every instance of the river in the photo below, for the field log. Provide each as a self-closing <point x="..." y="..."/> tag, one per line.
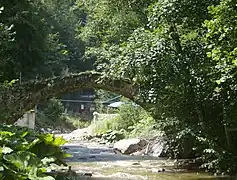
<point x="100" y="162"/>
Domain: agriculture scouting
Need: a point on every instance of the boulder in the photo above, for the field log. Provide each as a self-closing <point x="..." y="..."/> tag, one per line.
<point x="128" y="146"/>
<point x="155" y="147"/>
<point x="158" y="149"/>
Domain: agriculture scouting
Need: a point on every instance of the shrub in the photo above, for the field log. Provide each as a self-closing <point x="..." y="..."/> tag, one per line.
<point x="112" y="136"/>
<point x="61" y="123"/>
<point x="144" y="128"/>
<point x="183" y="141"/>
<point x="77" y="122"/>
<point x="132" y="121"/>
<point x="54" y="109"/>
<point x="216" y="159"/>
<point x="129" y="115"/>
<point x="25" y="154"/>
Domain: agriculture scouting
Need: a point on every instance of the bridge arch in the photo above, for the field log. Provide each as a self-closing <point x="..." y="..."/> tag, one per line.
<point x="19" y="98"/>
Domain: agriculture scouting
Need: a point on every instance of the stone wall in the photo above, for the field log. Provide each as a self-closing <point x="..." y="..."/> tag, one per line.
<point x="28" y="120"/>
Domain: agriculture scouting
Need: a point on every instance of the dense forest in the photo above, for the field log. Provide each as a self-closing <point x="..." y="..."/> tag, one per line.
<point x="181" y="53"/>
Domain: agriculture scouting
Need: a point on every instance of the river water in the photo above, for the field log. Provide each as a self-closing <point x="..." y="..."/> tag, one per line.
<point x="101" y="162"/>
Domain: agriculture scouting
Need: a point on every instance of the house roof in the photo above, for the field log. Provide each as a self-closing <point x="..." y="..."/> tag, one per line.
<point x="109" y="101"/>
<point x="116" y="104"/>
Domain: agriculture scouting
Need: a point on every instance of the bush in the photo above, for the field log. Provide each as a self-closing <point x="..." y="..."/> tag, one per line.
<point x="129" y="115"/>
<point x="183" y="141"/>
<point x="132" y="121"/>
<point x="216" y="159"/>
<point x="25" y="154"/>
<point x="144" y="128"/>
<point x="54" y="109"/>
<point x="112" y="136"/>
<point x="61" y="123"/>
<point x="77" y="122"/>
<point x="51" y="115"/>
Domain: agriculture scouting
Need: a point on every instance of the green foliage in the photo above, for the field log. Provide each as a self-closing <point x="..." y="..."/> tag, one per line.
<point x="112" y="136"/>
<point x="38" y="39"/>
<point x="25" y="154"/>
<point x="132" y="121"/>
<point x="218" y="162"/>
<point x="185" y="71"/>
<point x="51" y="115"/>
<point x="22" y="52"/>
<point x="54" y="109"/>
<point x="42" y="121"/>
<point x="182" y="53"/>
<point x="111" y="21"/>
<point x="129" y="115"/>
<point x="108" y="130"/>
<point x="221" y="39"/>
<point x="180" y="140"/>
<point x="145" y="128"/>
<point x="77" y="122"/>
<point x="188" y="13"/>
<point x="101" y="127"/>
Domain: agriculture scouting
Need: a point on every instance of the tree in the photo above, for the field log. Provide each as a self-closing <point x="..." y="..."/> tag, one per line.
<point x="167" y="56"/>
<point x="44" y="41"/>
<point x="111" y="22"/>
<point x="222" y="50"/>
<point x="25" y="52"/>
<point x="6" y="37"/>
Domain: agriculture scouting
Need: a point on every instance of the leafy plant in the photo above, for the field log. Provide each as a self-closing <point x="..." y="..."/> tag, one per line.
<point x="27" y="155"/>
<point x="54" y="109"/>
<point x="112" y="136"/>
<point x="77" y="122"/>
<point x="144" y="128"/>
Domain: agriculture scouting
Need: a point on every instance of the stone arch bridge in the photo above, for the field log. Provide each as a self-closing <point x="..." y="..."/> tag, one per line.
<point x="15" y="100"/>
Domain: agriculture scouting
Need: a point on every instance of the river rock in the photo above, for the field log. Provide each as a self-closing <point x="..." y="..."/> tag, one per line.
<point x="128" y="146"/>
<point x="157" y="170"/>
<point x="157" y="147"/>
<point x="120" y="175"/>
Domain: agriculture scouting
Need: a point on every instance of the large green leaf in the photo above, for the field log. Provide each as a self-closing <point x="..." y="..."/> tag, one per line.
<point x="47" y="161"/>
<point x="33" y="175"/>
<point x="6" y="150"/>
<point x="58" y="141"/>
<point x="23" y="160"/>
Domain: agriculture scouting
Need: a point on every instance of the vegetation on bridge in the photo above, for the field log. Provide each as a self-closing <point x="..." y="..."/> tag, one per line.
<point x="181" y="53"/>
